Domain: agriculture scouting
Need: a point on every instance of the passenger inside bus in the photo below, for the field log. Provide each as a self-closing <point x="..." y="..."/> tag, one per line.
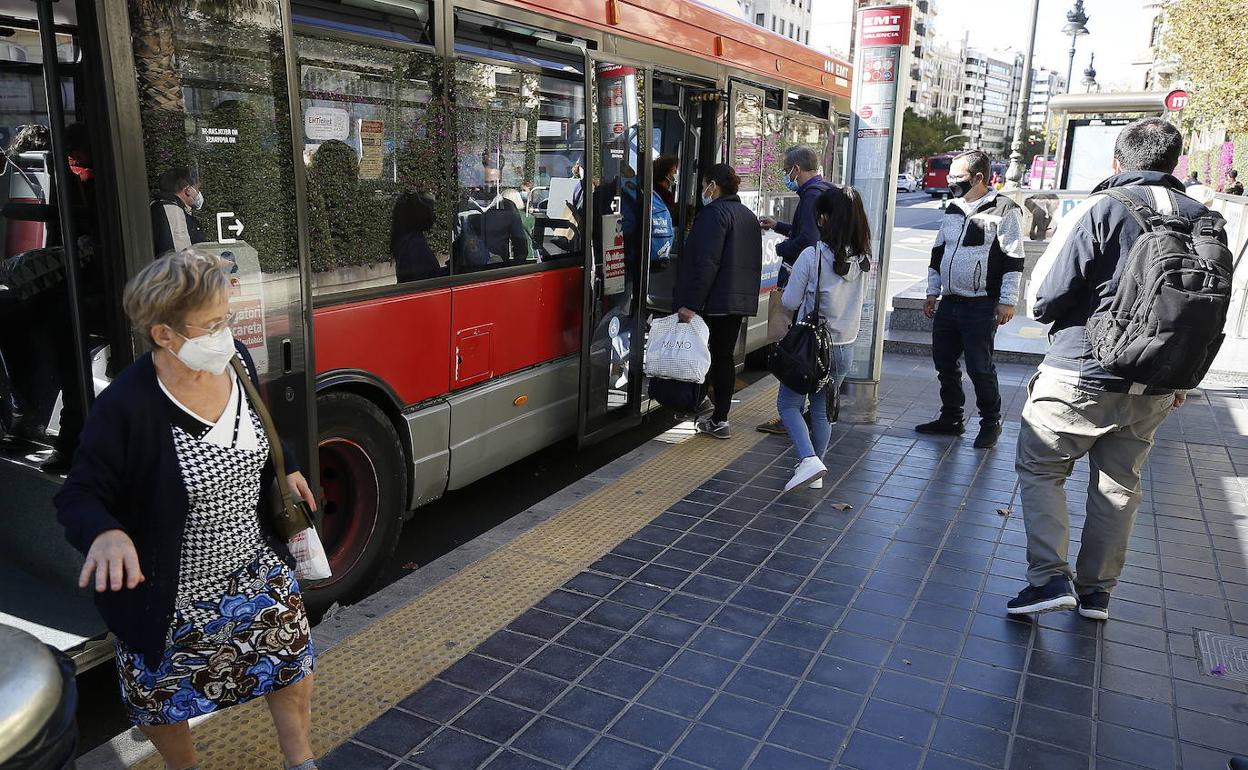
<point x="174" y="226"/>
<point x="489" y="231"/>
<point x="409" y="245"/>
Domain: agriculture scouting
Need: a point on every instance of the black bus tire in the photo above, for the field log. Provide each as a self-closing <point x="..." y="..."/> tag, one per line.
<point x="364" y="484"/>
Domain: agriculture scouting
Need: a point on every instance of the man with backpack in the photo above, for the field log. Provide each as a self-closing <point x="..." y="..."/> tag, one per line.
<point x="801" y="175"/>
<point x="1136" y="285"/>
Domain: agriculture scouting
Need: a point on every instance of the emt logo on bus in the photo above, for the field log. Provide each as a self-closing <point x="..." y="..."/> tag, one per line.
<point x="886" y="26"/>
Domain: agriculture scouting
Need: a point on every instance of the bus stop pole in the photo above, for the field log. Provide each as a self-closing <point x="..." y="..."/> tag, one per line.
<point x="875" y="149"/>
<point x="59" y="166"/>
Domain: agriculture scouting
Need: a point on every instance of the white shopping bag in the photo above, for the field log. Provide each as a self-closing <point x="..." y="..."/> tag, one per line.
<point x="676" y="351"/>
<point x="311" y="562"/>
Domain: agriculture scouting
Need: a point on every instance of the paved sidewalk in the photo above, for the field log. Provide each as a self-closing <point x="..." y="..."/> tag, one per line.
<point x="740" y="630"/>
<point x="726" y="628"/>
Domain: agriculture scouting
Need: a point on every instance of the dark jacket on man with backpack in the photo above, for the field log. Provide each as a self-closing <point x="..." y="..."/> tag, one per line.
<point x="1080" y="271"/>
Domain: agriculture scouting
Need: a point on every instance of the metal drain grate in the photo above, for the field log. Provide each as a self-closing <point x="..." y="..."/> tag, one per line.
<point x="1224" y="656"/>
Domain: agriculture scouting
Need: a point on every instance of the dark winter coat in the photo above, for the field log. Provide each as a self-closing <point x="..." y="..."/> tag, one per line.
<point x="126" y="476"/>
<point x="802" y="232"/>
<point x="722" y="265"/>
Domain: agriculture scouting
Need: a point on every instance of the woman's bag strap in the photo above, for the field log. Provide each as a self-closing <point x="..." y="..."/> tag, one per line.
<point x="275" y="442"/>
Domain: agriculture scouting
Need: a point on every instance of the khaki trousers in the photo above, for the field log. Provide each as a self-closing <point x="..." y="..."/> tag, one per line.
<point x="1062" y="422"/>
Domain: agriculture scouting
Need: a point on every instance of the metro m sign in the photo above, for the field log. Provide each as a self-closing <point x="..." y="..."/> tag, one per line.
<point x="885" y="26"/>
<point x="1176" y="100"/>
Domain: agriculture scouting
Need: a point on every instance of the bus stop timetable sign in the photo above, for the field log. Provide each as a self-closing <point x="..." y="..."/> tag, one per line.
<point x="883" y="39"/>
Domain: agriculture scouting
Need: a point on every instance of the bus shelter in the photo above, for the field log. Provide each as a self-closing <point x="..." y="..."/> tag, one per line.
<point x="1089" y="126"/>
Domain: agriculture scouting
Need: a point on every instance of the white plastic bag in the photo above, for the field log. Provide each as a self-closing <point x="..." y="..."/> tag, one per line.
<point x="311" y="562"/>
<point x="676" y="351"/>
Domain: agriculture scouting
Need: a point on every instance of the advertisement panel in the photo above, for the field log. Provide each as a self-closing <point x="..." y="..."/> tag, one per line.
<point x="883" y="37"/>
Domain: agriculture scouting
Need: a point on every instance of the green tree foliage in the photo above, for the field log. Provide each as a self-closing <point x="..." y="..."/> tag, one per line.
<point x="1207" y="37"/>
<point x="924" y="136"/>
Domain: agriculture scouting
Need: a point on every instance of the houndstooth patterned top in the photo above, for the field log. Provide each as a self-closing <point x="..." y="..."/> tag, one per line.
<point x="221" y="466"/>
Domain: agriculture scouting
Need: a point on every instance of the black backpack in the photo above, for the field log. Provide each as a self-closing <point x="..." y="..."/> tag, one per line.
<point x="1164" y="325"/>
<point x="802" y="360"/>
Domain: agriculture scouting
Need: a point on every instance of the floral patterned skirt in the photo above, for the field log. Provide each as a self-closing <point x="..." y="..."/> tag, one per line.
<point x="257" y="642"/>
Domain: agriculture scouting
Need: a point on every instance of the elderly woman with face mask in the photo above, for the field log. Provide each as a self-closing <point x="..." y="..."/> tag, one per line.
<point x="164" y="498"/>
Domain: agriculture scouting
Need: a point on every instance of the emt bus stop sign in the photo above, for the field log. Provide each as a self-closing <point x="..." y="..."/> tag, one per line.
<point x="874" y="149"/>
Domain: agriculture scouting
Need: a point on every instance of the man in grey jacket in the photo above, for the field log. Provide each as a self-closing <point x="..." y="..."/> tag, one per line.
<point x="972" y="288"/>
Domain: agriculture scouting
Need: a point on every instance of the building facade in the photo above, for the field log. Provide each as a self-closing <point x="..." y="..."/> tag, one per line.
<point x="990" y="89"/>
<point x="791" y="18"/>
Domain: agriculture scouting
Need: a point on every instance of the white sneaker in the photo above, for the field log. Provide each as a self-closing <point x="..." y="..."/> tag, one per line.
<point x="808" y="470"/>
<point x="816" y="484"/>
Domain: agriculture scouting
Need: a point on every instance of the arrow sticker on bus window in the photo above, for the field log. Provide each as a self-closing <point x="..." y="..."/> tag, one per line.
<point x="235" y="227"/>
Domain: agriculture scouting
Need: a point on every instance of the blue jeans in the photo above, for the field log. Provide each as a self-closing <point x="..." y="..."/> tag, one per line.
<point x="813" y="441"/>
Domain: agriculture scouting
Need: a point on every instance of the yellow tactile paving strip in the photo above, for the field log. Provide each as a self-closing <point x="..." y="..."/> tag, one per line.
<point x="366" y="674"/>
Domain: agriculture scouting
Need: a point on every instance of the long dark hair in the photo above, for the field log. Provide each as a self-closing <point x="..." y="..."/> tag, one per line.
<point x="845" y="230"/>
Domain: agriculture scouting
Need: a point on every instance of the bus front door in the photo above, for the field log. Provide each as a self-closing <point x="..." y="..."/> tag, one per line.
<point x="615" y="194"/>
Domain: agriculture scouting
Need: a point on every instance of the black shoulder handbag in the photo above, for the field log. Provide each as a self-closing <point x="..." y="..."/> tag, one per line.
<point x="288" y="514"/>
<point x="802" y="360"/>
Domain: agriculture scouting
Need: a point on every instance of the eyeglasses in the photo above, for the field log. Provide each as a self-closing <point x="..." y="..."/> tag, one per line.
<point x="216" y="326"/>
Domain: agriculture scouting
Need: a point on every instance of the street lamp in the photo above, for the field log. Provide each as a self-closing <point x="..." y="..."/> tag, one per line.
<point x="1089" y="75"/>
<point x="1076" y="25"/>
<point x="1014" y="174"/>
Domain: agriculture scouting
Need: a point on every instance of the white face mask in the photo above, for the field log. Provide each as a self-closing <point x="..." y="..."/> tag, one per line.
<point x="197" y="202"/>
<point x="209" y="353"/>
<point x="706" y="199"/>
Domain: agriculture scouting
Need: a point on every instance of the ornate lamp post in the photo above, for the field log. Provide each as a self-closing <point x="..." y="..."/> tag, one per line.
<point x="1076" y="25"/>
<point x="1089" y="75"/>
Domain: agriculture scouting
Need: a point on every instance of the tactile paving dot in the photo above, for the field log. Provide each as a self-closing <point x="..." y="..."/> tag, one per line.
<point x="366" y="674"/>
<point x="1224" y="656"/>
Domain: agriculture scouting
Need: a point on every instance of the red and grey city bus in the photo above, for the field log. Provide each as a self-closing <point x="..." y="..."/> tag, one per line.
<point x="430" y="210"/>
<point x="936" y="174"/>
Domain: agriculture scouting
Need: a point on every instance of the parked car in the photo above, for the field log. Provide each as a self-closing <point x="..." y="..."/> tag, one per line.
<point x="907" y="183"/>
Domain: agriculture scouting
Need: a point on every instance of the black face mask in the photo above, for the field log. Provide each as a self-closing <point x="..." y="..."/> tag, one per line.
<point x="961" y="189"/>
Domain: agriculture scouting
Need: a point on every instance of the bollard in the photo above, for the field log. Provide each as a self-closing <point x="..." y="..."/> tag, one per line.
<point x="38" y="701"/>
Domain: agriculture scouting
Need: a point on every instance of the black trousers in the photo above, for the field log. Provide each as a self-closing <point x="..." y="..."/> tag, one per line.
<point x="966" y="330"/>
<point x="725" y="330"/>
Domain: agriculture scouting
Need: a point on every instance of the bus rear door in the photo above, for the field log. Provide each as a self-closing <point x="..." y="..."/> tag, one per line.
<point x="616" y="188"/>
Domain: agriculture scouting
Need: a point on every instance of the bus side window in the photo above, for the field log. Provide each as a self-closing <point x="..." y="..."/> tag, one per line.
<point x="520" y="186"/>
<point x="374" y="136"/>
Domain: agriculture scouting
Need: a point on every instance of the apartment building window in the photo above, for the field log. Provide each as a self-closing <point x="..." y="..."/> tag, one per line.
<point x="799" y="35"/>
<point x="790" y="29"/>
<point x="760" y="19"/>
<point x="773" y="23"/>
<point x="807" y="37"/>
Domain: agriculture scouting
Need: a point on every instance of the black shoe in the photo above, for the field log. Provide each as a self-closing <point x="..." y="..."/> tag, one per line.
<point x="1237" y="763"/>
<point x="989" y="432"/>
<point x="942" y="427"/>
<point x="775" y="427"/>
<point x="1053" y="595"/>
<point x="56" y="463"/>
<point x="1094" y="606"/>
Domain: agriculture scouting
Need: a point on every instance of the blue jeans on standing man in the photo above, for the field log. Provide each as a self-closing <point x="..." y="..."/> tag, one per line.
<point x="966" y="328"/>
<point x="813" y="441"/>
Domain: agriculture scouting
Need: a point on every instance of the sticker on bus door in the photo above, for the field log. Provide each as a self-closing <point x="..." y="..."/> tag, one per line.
<point x="613" y="279"/>
<point x="246" y="297"/>
<point x="771" y="261"/>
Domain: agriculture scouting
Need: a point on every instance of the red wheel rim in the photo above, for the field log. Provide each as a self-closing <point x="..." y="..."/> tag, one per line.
<point x="349" y="483"/>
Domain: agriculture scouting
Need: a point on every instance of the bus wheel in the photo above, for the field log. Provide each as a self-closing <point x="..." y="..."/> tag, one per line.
<point x="364" y="486"/>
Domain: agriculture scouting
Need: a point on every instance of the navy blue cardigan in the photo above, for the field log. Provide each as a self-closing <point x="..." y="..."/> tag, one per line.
<point x="125" y="476"/>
